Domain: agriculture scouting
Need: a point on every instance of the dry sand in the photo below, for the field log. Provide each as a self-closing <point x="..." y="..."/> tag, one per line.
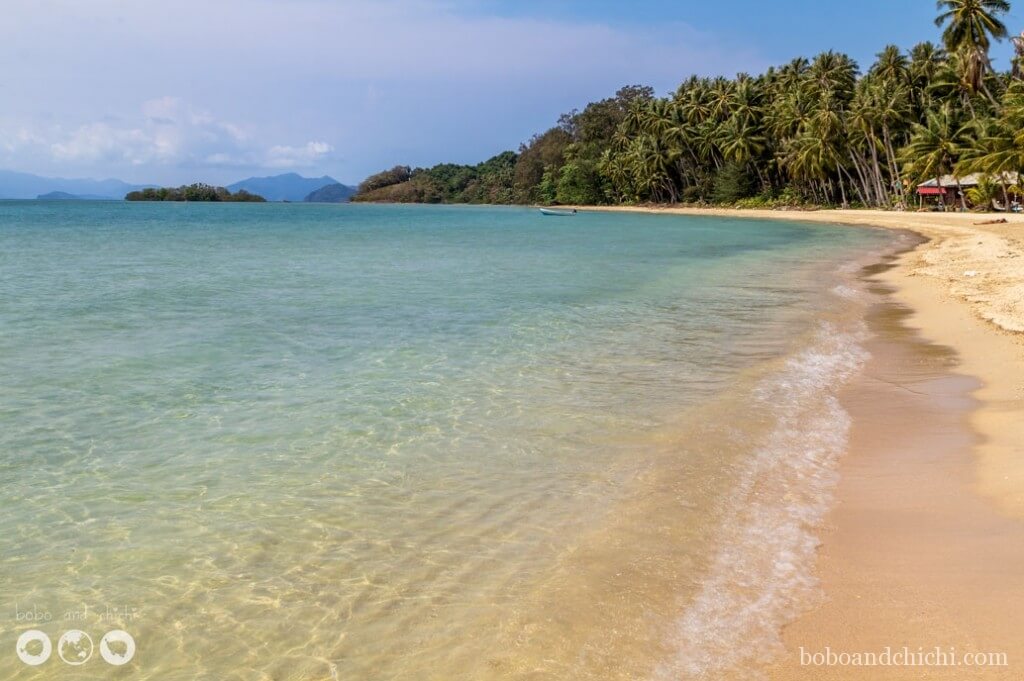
<point x="925" y="548"/>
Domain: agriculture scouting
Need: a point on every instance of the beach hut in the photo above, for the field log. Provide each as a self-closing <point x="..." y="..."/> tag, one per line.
<point x="951" y="190"/>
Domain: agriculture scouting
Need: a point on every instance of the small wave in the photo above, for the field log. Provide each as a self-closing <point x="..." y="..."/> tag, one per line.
<point x="762" y="575"/>
<point x="846" y="292"/>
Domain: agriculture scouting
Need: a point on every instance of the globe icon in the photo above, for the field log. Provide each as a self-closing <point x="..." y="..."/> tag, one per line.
<point x="75" y="647"/>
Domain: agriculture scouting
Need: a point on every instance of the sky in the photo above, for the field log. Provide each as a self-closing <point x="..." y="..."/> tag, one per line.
<point x="217" y="90"/>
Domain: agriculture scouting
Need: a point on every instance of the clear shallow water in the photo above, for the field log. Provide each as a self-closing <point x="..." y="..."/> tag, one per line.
<point x="373" y="442"/>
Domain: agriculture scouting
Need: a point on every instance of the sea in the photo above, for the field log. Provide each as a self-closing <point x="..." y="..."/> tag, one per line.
<point x="265" y="442"/>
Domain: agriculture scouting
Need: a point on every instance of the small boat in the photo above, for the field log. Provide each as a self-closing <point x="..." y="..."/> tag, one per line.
<point x="557" y="212"/>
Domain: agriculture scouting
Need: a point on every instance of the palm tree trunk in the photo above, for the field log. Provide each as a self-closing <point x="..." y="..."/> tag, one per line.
<point x="970" y="105"/>
<point x="984" y="88"/>
<point x="882" y="194"/>
<point x="893" y="167"/>
<point x="853" y="184"/>
<point x="760" y="177"/>
<point x="868" y="198"/>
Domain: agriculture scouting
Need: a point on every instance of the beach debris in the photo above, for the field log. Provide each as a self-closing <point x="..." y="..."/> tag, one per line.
<point x="1000" y="221"/>
<point x="971" y="273"/>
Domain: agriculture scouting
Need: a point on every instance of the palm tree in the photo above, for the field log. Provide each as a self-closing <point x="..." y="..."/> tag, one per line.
<point x="892" y="65"/>
<point x="936" y="145"/>
<point x="741" y="142"/>
<point x="835" y="72"/>
<point x="925" y="61"/>
<point x="984" y="193"/>
<point x="970" y="27"/>
<point x="865" y="121"/>
<point x="894" y="108"/>
<point x="998" y="149"/>
<point x="972" y="23"/>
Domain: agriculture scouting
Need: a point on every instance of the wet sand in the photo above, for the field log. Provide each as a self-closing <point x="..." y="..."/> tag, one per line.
<point x="912" y="557"/>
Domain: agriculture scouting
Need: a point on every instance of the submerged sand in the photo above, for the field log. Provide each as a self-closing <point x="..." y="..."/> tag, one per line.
<point x="925" y="548"/>
<point x="965" y="287"/>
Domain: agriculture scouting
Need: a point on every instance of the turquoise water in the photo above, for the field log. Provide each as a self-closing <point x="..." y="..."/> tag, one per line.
<point x="373" y="442"/>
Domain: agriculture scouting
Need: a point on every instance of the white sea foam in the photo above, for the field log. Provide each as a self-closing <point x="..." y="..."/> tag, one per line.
<point x="762" y="574"/>
<point x="846" y="292"/>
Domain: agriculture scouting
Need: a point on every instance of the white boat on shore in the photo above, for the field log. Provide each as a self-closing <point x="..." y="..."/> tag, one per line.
<point x="557" y="212"/>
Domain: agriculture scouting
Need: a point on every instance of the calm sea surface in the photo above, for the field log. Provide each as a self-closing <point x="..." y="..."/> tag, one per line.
<point x="387" y="442"/>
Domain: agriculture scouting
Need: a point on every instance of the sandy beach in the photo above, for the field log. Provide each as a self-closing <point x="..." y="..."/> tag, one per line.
<point x="925" y="547"/>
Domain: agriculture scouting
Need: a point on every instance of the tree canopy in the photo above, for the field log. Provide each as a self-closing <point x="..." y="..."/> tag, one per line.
<point x="193" y="192"/>
<point x="812" y="131"/>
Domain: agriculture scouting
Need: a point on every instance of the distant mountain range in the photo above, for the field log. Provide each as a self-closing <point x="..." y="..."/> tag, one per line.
<point x="14" y="185"/>
<point x="287" y="187"/>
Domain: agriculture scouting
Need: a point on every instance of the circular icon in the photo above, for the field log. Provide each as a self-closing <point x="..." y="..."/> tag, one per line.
<point x="41" y="655"/>
<point x="117" y="647"/>
<point x="74" y="647"/>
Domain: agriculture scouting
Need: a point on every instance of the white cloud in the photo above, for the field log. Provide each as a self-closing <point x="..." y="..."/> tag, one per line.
<point x="102" y="142"/>
<point x="166" y="132"/>
<point x="161" y="109"/>
<point x="297" y="157"/>
<point x="283" y="83"/>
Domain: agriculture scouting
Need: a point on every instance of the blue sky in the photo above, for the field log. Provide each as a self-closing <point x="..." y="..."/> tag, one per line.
<point x="145" y="92"/>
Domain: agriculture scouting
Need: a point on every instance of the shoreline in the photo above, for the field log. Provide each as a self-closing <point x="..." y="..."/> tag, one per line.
<point x="911" y="558"/>
<point x="965" y="287"/>
<point x="924" y="543"/>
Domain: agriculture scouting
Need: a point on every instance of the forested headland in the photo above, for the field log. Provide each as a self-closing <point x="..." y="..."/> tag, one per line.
<point x="819" y="131"/>
<point x="193" y="192"/>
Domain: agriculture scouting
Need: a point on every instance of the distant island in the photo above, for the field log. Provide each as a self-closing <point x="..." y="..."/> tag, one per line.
<point x="285" y="187"/>
<point x="194" y="192"/>
<point x="332" y="193"/>
<point x="66" y="196"/>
